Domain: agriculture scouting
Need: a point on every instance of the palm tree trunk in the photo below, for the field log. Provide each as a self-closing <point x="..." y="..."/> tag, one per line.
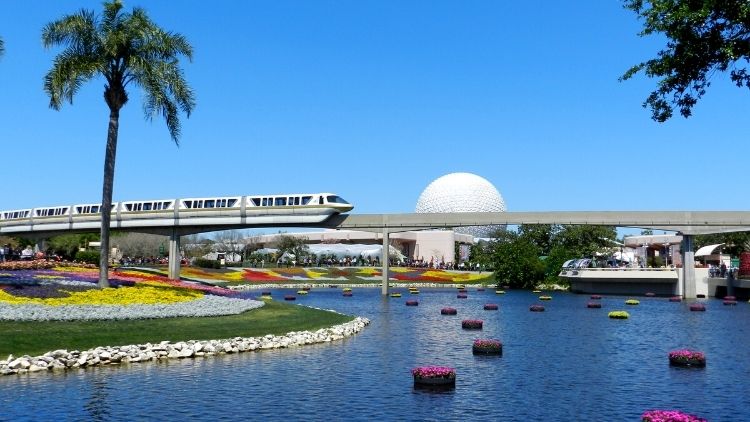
<point x="109" y="179"/>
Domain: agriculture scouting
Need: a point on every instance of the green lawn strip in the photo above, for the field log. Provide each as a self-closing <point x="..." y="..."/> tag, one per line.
<point x="36" y="338"/>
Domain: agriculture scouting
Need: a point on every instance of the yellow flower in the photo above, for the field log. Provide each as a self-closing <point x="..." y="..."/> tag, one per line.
<point x="150" y="294"/>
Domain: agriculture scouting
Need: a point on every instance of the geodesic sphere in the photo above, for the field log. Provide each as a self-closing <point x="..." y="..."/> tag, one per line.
<point x="462" y="192"/>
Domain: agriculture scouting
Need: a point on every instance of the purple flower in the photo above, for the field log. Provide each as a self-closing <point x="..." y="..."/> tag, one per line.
<point x="433" y="372"/>
<point x="669" y="416"/>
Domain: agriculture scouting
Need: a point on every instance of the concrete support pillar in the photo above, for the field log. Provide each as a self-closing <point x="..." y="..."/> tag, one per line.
<point x="174" y="255"/>
<point x="384" y="261"/>
<point x="689" y="289"/>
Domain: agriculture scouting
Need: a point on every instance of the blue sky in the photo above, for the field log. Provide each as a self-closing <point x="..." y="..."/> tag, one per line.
<point x="375" y="99"/>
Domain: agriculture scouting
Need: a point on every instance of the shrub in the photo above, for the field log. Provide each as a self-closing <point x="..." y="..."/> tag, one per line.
<point x="89" y="257"/>
<point x="207" y="263"/>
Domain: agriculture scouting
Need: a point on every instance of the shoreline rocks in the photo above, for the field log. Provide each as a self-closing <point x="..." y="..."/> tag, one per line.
<point x="60" y="360"/>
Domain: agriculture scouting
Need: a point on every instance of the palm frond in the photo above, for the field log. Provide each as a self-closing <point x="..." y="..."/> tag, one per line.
<point x="69" y="71"/>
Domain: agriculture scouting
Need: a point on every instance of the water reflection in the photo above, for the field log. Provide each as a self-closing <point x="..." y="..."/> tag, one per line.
<point x="568" y="363"/>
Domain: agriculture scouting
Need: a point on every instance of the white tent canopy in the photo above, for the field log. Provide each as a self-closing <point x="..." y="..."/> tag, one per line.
<point x="707" y="250"/>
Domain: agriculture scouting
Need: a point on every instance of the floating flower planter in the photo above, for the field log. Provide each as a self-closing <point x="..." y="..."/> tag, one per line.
<point x="596" y="297"/>
<point x="463" y="291"/>
<point x="697" y="307"/>
<point x="545" y="297"/>
<point x="347" y="289"/>
<point x="675" y="299"/>
<point x="347" y="294"/>
<point x="618" y="315"/>
<point x="333" y="286"/>
<point x="306" y="288"/>
<point x="461" y="296"/>
<point x="536" y="291"/>
<point x="730" y="302"/>
<point x="265" y="293"/>
<point x="487" y="347"/>
<point x="448" y="311"/>
<point x="480" y="289"/>
<point x="506" y="287"/>
<point x="499" y="292"/>
<point x="413" y="292"/>
<point x="395" y="294"/>
<point x="730" y="298"/>
<point x="301" y="292"/>
<point x="472" y="324"/>
<point x="536" y="308"/>
<point x="490" y="307"/>
<point x="687" y="358"/>
<point x="290" y="297"/>
<point x="460" y="286"/>
<point x="412" y="303"/>
<point x="650" y="294"/>
<point x="434" y="376"/>
<point x="669" y="416"/>
<point x="266" y="297"/>
<point x="594" y="305"/>
<point x="632" y="302"/>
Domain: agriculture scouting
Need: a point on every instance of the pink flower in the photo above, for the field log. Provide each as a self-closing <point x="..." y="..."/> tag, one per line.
<point x="669" y="416"/>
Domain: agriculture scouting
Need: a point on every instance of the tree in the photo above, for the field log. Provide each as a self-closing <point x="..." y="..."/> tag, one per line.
<point x="229" y="242"/>
<point x="292" y="245"/>
<point x="67" y="245"/>
<point x="516" y="262"/>
<point x="139" y="244"/>
<point x="123" y="48"/>
<point x="734" y="243"/>
<point x="541" y="235"/>
<point x="704" y="37"/>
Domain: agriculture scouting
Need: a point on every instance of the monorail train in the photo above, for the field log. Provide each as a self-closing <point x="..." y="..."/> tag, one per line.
<point x="245" y="210"/>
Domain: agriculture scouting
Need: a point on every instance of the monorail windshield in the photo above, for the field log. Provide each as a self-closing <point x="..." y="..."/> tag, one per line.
<point x="333" y="199"/>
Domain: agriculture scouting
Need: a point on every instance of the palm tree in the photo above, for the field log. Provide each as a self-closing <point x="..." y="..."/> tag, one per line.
<point x="124" y="48"/>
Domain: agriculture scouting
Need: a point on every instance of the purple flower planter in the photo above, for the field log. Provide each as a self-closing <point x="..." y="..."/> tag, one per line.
<point x="448" y="311"/>
<point x="596" y="297"/>
<point x="290" y="297"/>
<point x="536" y="308"/>
<point x="412" y="303"/>
<point x="594" y="305"/>
<point x="697" y="307"/>
<point x="675" y="299"/>
<point x="490" y="307"/>
<point x="472" y="324"/>
<point x="461" y="296"/>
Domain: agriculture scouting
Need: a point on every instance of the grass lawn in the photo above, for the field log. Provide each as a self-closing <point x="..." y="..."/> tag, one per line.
<point x="36" y="338"/>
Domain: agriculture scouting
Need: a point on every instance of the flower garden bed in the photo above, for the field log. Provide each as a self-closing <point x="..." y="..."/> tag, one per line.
<point x="669" y="416"/>
<point x="594" y="305"/>
<point x="472" y="324"/>
<point x="434" y="375"/>
<point x="697" y="307"/>
<point x="490" y="307"/>
<point x="536" y="308"/>
<point x="412" y="303"/>
<point x="688" y="358"/>
<point x="618" y="315"/>
<point x="487" y="347"/>
<point x="448" y="311"/>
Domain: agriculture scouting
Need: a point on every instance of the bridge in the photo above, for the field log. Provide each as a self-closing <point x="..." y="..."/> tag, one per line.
<point x="174" y="225"/>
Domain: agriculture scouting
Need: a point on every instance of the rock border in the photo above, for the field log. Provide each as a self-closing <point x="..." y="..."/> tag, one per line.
<point x="61" y="360"/>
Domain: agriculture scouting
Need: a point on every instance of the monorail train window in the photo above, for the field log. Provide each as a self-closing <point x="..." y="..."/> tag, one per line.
<point x="333" y="199"/>
<point x="209" y="203"/>
<point x="232" y="202"/>
<point x="306" y="200"/>
<point x="296" y="200"/>
<point x="221" y="203"/>
<point x="280" y="202"/>
<point x="256" y="201"/>
<point x="265" y="201"/>
<point x="147" y="206"/>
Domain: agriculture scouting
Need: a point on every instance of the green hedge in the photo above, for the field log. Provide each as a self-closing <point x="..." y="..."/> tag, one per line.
<point x="89" y="257"/>
<point x="207" y="263"/>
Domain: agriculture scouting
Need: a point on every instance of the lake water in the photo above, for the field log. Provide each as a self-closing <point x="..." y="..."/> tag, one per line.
<point x="568" y="363"/>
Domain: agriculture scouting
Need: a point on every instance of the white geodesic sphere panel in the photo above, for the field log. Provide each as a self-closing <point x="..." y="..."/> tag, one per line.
<point x="462" y="192"/>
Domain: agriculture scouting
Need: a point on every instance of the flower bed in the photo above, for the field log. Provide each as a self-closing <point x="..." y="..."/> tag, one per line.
<point x="596" y="297"/>
<point x="490" y="307"/>
<point x="434" y="375"/>
<point x="618" y="315"/>
<point x="487" y="347"/>
<point x="536" y="308"/>
<point x="686" y="357"/>
<point x="697" y="307"/>
<point x="669" y="416"/>
<point x="632" y="302"/>
<point x="675" y="299"/>
<point x="472" y="324"/>
<point x="448" y="311"/>
<point x="594" y="305"/>
<point x="461" y="296"/>
<point x="412" y="303"/>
